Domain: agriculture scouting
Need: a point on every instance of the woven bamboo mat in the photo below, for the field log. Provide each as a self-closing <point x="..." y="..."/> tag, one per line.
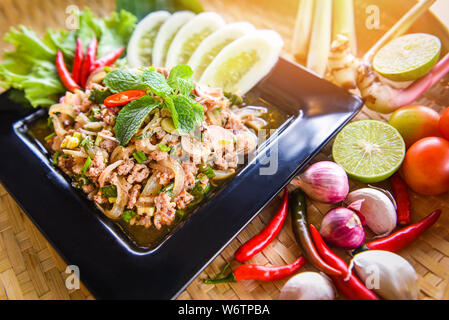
<point x="31" y="269"/>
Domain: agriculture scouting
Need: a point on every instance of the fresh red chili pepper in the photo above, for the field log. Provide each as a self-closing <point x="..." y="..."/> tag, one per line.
<point x="107" y="60"/>
<point x="77" y="63"/>
<point x="88" y="61"/>
<point x="260" y="241"/>
<point x="64" y="74"/>
<point x="404" y="237"/>
<point x="400" y="192"/>
<point x="258" y="272"/>
<point x="353" y="288"/>
<point x="122" y="98"/>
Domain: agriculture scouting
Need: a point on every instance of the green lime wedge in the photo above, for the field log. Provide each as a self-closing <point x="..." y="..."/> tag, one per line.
<point x="409" y="57"/>
<point x="369" y="150"/>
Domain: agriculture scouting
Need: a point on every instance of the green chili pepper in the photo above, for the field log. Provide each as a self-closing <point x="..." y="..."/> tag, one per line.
<point x="298" y="209"/>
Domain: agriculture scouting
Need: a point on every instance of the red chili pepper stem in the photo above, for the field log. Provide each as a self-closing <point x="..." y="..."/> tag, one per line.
<point x="257" y="272"/>
<point x="64" y="73"/>
<point x="402" y="197"/>
<point x="260" y="241"/>
<point x="107" y="60"/>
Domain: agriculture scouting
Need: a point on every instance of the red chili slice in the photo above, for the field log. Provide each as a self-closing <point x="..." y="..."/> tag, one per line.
<point x="122" y="98"/>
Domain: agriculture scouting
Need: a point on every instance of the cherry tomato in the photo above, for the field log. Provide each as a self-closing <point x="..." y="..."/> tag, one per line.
<point x="415" y="123"/>
<point x="444" y="124"/>
<point x="122" y="98"/>
<point x="426" y="166"/>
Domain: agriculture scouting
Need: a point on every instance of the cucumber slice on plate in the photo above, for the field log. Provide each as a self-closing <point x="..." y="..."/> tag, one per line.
<point x="140" y="46"/>
<point x="244" y="62"/>
<point x="190" y="36"/>
<point x="213" y="44"/>
<point x="166" y="34"/>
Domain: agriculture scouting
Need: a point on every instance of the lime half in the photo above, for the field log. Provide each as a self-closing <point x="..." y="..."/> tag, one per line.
<point x="369" y="150"/>
<point x="409" y="57"/>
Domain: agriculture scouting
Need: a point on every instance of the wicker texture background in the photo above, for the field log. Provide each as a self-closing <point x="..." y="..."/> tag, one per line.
<point x="31" y="269"/>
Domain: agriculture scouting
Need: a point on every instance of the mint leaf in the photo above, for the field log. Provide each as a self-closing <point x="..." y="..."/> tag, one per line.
<point x="156" y="82"/>
<point x="120" y="80"/>
<point x="185" y="113"/>
<point x="130" y="118"/>
<point x="180" y="78"/>
<point x="98" y="96"/>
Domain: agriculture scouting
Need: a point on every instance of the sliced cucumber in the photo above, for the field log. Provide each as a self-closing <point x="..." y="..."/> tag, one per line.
<point x="140" y="46"/>
<point x="190" y="36"/>
<point x="166" y="34"/>
<point x="244" y="62"/>
<point x="213" y="44"/>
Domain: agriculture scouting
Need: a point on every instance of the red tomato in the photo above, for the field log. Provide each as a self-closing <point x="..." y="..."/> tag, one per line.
<point x="122" y="98"/>
<point x="426" y="166"/>
<point x="444" y="124"/>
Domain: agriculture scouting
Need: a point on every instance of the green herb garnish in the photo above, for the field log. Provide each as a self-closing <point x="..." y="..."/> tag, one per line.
<point x="140" y="156"/>
<point x="164" y="148"/>
<point x="109" y="191"/>
<point x="209" y="172"/>
<point x="87" y="164"/>
<point x="55" y="158"/>
<point x="97" y="96"/>
<point x="50" y="136"/>
<point x="128" y="215"/>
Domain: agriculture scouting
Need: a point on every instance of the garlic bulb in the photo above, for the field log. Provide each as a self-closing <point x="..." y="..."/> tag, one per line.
<point x="377" y="208"/>
<point x="308" y="286"/>
<point x="388" y="274"/>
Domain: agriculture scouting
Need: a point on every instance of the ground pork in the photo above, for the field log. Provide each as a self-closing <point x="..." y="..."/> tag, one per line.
<point x="165" y="210"/>
<point x="190" y="171"/>
<point x="139" y="173"/>
<point x="97" y="166"/>
<point x="126" y="167"/>
<point x="98" y="198"/>
<point x="108" y="115"/>
<point x="158" y="155"/>
<point x="183" y="199"/>
<point x="132" y="198"/>
<point x="88" y="188"/>
<point x="108" y="144"/>
<point x="164" y="177"/>
<point x="65" y="163"/>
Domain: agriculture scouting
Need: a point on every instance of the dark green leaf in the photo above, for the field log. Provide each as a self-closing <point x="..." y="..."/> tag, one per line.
<point x="128" y="215"/>
<point x="109" y="191"/>
<point x="130" y="118"/>
<point x="180" y="79"/>
<point x="98" y="96"/>
<point x="156" y="82"/>
<point x="120" y="80"/>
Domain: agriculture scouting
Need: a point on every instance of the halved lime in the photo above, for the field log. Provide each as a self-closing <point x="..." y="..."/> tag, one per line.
<point x="166" y="35"/>
<point x="189" y="37"/>
<point x="369" y="150"/>
<point x="409" y="57"/>
<point x="243" y="63"/>
<point x="213" y="44"/>
<point x="140" y="46"/>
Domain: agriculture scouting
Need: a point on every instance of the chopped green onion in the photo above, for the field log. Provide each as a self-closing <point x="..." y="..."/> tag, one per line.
<point x="180" y="213"/>
<point x="167" y="188"/>
<point x="164" y="148"/>
<point x="56" y="157"/>
<point x="98" y="140"/>
<point x="209" y="172"/>
<point x="93" y="118"/>
<point x="109" y="191"/>
<point x="128" y="215"/>
<point x="87" y="164"/>
<point x="50" y="136"/>
<point x="140" y="156"/>
<point x="87" y="142"/>
<point x="50" y="122"/>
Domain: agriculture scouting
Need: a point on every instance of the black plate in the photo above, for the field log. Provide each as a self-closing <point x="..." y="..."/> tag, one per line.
<point x="110" y="266"/>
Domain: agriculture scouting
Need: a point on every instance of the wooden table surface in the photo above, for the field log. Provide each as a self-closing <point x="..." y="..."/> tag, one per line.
<point x="31" y="269"/>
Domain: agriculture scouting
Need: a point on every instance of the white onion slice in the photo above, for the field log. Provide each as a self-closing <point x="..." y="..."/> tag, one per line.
<point x="107" y="171"/>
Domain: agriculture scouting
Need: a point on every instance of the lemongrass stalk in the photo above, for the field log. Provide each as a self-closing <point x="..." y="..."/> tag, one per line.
<point x="320" y="41"/>
<point x="303" y="28"/>
<point x="382" y="98"/>
<point x="344" y="22"/>
<point x="400" y="27"/>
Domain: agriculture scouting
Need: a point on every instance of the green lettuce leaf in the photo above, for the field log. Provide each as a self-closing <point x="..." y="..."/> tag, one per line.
<point x="30" y="66"/>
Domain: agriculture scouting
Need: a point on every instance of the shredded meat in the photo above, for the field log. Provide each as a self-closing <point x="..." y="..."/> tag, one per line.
<point x="165" y="210"/>
<point x="190" y="170"/>
<point x="126" y="167"/>
<point x="164" y="177"/>
<point x="158" y="155"/>
<point x="97" y="166"/>
<point x="139" y="173"/>
<point x="132" y="198"/>
<point x="183" y="199"/>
